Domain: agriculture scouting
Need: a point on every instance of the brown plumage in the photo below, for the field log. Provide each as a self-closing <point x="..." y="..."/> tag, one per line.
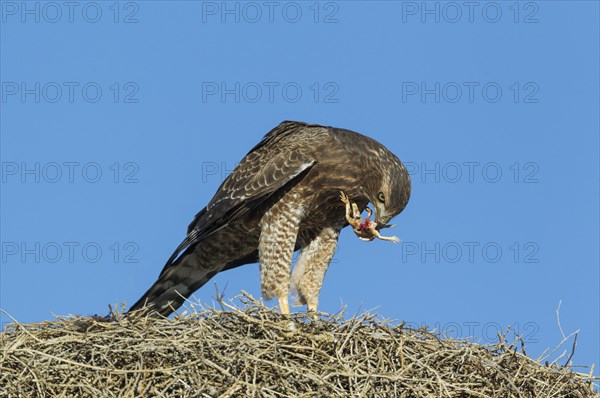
<point x="283" y="196"/>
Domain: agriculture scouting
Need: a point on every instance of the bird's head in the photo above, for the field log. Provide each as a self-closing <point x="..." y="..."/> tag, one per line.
<point x="388" y="190"/>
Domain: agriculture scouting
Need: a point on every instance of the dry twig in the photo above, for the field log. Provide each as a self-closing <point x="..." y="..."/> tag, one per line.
<point x="248" y="350"/>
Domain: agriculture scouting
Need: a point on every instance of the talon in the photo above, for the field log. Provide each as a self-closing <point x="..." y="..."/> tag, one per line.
<point x="312" y="312"/>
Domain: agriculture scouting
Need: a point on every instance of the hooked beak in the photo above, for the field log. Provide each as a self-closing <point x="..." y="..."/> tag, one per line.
<point x="382" y="219"/>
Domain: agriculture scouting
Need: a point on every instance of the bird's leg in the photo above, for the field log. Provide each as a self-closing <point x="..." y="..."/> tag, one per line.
<point x="283" y="304"/>
<point x="278" y="235"/>
<point x="309" y="271"/>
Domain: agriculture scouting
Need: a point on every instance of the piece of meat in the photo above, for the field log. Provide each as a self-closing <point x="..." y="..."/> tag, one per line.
<point x="366" y="229"/>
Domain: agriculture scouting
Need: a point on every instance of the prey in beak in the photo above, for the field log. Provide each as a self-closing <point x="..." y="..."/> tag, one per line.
<point x="380" y="221"/>
<point x="366" y="229"/>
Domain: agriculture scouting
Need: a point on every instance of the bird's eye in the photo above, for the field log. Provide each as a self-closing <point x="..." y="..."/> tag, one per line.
<point x="381" y="197"/>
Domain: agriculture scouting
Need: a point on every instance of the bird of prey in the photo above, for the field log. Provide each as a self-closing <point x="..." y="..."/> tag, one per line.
<point x="284" y="196"/>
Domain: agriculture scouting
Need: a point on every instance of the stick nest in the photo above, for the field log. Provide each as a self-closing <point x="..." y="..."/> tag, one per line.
<point x="248" y="350"/>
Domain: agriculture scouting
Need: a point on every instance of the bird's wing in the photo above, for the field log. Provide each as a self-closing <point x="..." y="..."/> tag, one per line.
<point x="269" y="166"/>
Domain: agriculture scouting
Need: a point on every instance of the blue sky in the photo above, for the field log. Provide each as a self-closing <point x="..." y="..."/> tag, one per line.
<point x="120" y="120"/>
